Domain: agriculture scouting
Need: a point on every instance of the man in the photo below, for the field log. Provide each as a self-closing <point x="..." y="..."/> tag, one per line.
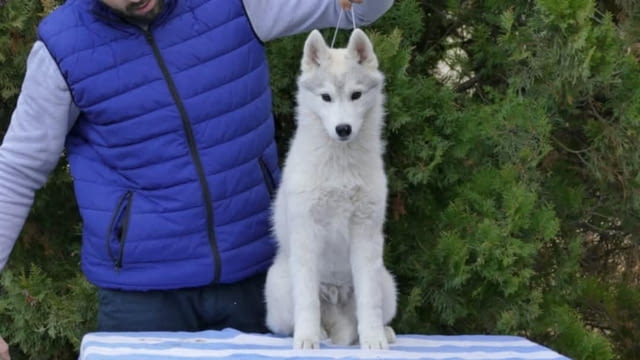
<point x="164" y="109"/>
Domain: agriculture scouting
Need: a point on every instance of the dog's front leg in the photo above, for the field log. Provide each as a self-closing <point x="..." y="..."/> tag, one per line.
<point x="367" y="269"/>
<point x="303" y="265"/>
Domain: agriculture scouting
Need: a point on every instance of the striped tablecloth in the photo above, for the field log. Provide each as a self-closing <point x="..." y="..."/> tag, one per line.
<point x="232" y="344"/>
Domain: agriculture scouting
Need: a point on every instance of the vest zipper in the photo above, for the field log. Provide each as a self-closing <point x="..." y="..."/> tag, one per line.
<point x="268" y="177"/>
<point x="118" y="227"/>
<point x="124" y="228"/>
<point x="206" y="194"/>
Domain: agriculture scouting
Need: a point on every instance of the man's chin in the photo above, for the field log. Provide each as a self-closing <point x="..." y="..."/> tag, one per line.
<point x="148" y="16"/>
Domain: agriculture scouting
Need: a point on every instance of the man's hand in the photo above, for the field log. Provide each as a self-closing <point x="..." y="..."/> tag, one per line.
<point x="346" y="5"/>
<point x="4" y="350"/>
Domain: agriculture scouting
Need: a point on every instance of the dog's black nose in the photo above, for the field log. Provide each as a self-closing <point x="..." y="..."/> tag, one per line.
<point x="343" y="130"/>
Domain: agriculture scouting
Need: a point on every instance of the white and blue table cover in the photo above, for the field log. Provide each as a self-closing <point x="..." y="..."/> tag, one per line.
<point x="232" y="344"/>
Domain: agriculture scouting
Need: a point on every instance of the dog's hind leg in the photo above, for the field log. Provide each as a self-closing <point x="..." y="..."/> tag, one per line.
<point x="390" y="334"/>
<point x="339" y="315"/>
<point x="389" y="303"/>
<point x="278" y="298"/>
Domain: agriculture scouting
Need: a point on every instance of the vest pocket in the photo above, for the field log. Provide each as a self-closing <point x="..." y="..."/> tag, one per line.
<point x="117" y="231"/>
<point x="268" y="177"/>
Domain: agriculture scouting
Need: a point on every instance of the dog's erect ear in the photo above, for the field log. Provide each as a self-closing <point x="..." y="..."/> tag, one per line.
<point x="315" y="51"/>
<point x="361" y="48"/>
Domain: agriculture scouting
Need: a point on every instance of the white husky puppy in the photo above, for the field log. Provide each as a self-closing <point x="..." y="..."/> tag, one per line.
<point x="328" y="277"/>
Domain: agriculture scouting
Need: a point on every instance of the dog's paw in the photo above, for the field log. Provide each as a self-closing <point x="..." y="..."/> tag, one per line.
<point x="390" y="334"/>
<point x="374" y="340"/>
<point x="306" y="343"/>
<point x="306" y="339"/>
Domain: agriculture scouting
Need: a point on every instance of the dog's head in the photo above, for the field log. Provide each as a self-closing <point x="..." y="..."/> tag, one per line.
<point x="340" y="87"/>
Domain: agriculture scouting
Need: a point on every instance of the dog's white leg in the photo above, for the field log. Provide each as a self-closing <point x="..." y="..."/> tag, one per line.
<point x="278" y="297"/>
<point x="305" y="282"/>
<point x="367" y="269"/>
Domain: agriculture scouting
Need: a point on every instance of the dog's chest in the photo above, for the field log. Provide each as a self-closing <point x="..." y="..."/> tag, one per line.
<point x="335" y="210"/>
<point x="338" y="206"/>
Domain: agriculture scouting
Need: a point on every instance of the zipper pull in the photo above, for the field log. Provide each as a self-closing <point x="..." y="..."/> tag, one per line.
<point x="147" y="34"/>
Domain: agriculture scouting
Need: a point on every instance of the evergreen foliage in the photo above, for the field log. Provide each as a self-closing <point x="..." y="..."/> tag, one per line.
<point x="513" y="170"/>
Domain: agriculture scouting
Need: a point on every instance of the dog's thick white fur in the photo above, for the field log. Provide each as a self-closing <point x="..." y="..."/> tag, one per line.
<point x="328" y="277"/>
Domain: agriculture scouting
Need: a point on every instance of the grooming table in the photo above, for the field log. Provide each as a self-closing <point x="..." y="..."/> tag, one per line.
<point x="232" y="344"/>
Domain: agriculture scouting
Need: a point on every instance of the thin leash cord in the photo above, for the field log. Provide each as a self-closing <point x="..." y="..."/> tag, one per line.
<point x="335" y="33"/>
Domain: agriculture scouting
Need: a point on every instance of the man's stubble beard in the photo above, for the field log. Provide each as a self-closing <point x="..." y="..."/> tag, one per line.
<point x="145" y="19"/>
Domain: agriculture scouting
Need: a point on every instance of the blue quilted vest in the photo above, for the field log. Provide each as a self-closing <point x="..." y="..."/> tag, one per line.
<point x="173" y="156"/>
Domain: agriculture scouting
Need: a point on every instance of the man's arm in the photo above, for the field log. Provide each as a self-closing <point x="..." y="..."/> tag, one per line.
<point x="4" y="350"/>
<point x="278" y="18"/>
<point x="33" y="143"/>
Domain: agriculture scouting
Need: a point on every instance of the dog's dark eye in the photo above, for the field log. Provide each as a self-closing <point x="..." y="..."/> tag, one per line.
<point x="356" y="95"/>
<point x="326" y="97"/>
